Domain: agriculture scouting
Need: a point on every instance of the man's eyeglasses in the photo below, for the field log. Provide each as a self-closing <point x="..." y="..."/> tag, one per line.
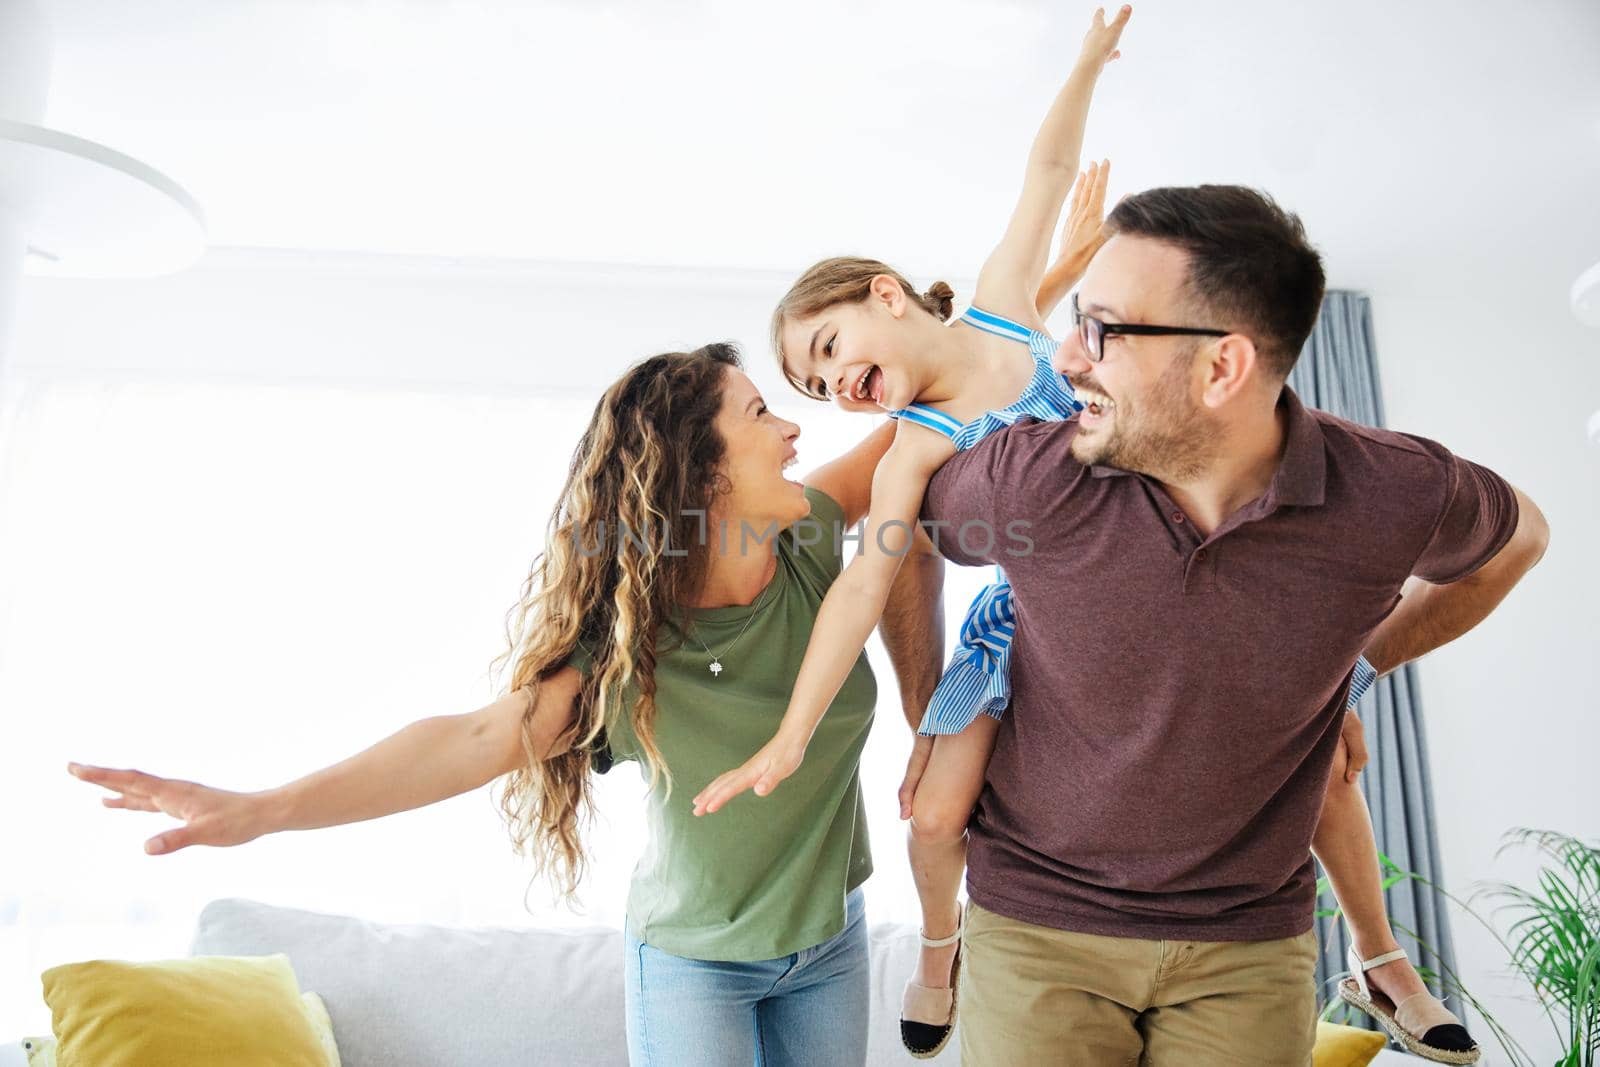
<point x="1093" y="333"/>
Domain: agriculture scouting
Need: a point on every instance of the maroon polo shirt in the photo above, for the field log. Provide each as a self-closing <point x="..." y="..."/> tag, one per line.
<point x="1176" y="699"/>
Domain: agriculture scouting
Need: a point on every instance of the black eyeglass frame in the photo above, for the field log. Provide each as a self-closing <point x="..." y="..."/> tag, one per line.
<point x="1093" y="338"/>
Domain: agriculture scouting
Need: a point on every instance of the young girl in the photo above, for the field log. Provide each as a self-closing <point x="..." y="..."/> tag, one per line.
<point x="873" y="351"/>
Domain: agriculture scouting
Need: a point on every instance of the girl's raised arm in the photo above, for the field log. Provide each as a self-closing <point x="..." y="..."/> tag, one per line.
<point x="849" y="612"/>
<point x="1009" y="282"/>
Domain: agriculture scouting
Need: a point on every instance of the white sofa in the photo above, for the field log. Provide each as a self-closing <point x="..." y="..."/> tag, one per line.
<point x="429" y="996"/>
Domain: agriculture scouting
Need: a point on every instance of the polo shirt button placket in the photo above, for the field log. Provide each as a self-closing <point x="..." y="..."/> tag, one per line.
<point x="1208" y="560"/>
<point x="1188" y="569"/>
<point x="1200" y="573"/>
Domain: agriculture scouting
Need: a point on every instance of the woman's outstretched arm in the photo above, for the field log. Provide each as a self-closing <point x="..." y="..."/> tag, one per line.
<point x="425" y="762"/>
<point x="1085" y="233"/>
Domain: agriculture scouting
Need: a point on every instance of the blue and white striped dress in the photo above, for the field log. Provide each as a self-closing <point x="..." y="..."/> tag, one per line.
<point x="978" y="679"/>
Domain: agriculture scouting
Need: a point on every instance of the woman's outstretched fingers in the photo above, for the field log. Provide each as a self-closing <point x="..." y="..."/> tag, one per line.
<point x="123" y="781"/>
<point x="171" y="841"/>
<point x="130" y="802"/>
<point x="135" y="791"/>
<point x="1080" y="193"/>
<point x="1083" y="198"/>
<point x="215" y="817"/>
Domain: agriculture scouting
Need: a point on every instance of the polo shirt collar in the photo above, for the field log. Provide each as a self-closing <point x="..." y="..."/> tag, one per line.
<point x="1302" y="475"/>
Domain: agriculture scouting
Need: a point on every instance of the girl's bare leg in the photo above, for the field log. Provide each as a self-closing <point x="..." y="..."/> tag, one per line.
<point x="937" y="838"/>
<point x="1345" y="845"/>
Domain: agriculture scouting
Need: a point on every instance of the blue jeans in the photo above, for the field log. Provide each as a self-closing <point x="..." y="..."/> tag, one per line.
<point x="805" y="1009"/>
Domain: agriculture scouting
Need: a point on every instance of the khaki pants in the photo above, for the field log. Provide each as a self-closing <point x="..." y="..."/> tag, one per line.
<point x="1034" y="995"/>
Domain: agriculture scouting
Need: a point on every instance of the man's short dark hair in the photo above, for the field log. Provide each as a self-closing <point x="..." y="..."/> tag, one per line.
<point x="1250" y="263"/>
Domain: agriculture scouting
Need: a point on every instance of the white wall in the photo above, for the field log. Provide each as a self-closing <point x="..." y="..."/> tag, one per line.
<point x="1503" y="374"/>
<point x="1500" y="373"/>
<point x="259" y="515"/>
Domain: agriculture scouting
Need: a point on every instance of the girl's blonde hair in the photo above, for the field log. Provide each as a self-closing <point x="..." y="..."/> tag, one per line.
<point x="844" y="280"/>
<point x="639" y="484"/>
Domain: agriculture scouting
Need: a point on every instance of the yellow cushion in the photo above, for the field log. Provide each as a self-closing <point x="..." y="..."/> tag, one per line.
<point x="1345" y="1046"/>
<point x="245" y="1011"/>
<point x="317" y="1015"/>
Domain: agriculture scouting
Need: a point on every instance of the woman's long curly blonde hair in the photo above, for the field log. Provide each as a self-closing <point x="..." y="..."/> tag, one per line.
<point x="641" y="482"/>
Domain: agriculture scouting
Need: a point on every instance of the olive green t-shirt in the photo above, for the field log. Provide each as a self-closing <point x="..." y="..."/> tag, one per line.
<point x="765" y="876"/>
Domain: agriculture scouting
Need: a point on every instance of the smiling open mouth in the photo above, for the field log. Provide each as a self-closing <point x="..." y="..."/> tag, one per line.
<point x="869" y="386"/>
<point x="1096" y="403"/>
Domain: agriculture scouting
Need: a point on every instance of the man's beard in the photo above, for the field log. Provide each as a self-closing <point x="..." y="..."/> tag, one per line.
<point x="1168" y="436"/>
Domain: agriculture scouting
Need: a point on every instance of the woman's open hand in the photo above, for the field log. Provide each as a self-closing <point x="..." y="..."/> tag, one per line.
<point x="210" y="816"/>
<point x="776" y="760"/>
<point x="1086" y="220"/>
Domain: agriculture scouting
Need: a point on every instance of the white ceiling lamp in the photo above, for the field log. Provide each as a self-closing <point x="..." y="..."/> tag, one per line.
<point x="68" y="206"/>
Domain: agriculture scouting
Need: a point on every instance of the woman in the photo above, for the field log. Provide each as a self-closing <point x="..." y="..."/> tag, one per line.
<point x="663" y="623"/>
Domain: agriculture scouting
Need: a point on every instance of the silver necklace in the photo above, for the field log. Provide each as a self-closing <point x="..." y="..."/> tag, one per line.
<point x="716" y="660"/>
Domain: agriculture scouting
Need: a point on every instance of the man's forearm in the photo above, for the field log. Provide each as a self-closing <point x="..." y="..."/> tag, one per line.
<point x="912" y="627"/>
<point x="1430" y="615"/>
<point x="1420" y="623"/>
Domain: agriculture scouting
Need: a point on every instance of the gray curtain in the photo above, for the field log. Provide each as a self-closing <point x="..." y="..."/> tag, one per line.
<point x="1338" y="373"/>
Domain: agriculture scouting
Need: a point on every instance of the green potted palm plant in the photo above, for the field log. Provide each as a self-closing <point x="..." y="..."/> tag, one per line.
<point x="1551" y="937"/>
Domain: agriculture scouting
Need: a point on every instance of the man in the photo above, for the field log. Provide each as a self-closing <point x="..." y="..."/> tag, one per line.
<point x="1210" y="558"/>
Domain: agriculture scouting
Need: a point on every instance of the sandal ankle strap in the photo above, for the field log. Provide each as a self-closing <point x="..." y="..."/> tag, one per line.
<point x="1359" y="967"/>
<point x="942" y="942"/>
<point x="1379" y="961"/>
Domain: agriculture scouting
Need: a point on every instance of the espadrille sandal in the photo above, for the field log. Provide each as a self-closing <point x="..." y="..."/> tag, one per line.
<point x="922" y="1039"/>
<point x="1420" y="1024"/>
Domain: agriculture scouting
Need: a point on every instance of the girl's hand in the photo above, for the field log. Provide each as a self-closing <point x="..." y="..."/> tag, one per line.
<point x="211" y="816"/>
<point x="1352" y="754"/>
<point x="776" y="760"/>
<point x="1086" y="219"/>
<point x="1100" y="43"/>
